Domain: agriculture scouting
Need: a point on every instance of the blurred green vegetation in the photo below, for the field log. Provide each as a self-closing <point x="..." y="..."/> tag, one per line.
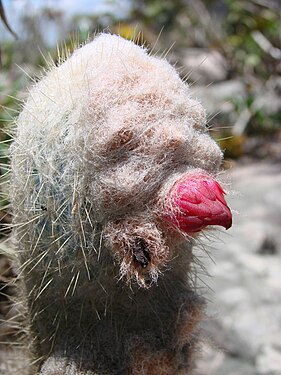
<point x="248" y="25"/>
<point x="245" y="32"/>
<point x="8" y="110"/>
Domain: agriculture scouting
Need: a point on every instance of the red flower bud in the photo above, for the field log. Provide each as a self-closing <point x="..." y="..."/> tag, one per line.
<point x="196" y="201"/>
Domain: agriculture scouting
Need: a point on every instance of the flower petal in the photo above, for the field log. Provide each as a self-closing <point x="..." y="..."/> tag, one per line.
<point x="195" y="201"/>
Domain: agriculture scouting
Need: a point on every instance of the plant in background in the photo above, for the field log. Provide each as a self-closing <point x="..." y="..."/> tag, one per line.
<point x="8" y="111"/>
<point x="252" y="30"/>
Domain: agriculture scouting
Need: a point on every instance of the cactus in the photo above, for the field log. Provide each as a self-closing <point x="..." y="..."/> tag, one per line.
<point x="107" y="145"/>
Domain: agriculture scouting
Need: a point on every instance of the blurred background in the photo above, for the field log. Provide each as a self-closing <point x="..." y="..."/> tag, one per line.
<point x="230" y="53"/>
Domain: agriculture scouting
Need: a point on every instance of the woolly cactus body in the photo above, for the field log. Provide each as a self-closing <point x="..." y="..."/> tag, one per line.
<point x="100" y="143"/>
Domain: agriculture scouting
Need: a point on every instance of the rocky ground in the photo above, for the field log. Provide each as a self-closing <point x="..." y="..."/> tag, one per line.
<point x="243" y="334"/>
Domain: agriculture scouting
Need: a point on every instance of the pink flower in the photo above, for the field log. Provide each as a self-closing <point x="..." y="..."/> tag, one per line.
<point x="195" y="201"/>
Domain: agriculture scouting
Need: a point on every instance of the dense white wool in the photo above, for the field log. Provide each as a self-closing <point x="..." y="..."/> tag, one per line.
<point x="117" y="120"/>
<point x="99" y="141"/>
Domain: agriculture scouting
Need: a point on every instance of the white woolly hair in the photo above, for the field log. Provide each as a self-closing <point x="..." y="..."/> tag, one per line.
<point x="109" y="126"/>
<point x="99" y="141"/>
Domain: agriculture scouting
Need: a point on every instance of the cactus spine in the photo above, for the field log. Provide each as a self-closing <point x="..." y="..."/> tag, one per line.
<point x="98" y="142"/>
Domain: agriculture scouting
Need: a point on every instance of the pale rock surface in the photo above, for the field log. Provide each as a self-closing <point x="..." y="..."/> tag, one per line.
<point x="243" y="335"/>
<point x="204" y="65"/>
